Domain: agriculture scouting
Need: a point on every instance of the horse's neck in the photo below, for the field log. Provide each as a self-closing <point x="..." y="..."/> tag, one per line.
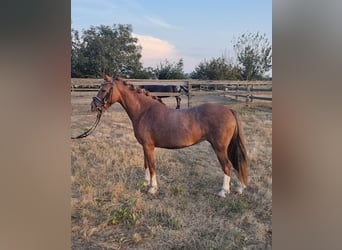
<point x="134" y="104"/>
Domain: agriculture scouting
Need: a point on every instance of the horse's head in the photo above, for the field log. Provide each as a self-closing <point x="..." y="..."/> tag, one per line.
<point x="106" y="95"/>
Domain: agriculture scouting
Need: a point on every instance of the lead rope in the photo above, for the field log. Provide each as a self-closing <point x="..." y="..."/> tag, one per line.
<point x="91" y="130"/>
<point x="99" y="113"/>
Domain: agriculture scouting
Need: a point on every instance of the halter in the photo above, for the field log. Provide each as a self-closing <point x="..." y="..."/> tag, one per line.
<point x="99" y="103"/>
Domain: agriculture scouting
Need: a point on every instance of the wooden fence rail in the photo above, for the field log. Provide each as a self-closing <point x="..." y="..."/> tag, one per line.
<point x="248" y="90"/>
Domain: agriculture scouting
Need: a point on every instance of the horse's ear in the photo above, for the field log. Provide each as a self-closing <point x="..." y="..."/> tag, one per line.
<point x="107" y="78"/>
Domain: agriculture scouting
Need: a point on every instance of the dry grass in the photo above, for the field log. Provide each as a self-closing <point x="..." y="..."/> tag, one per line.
<point x="112" y="210"/>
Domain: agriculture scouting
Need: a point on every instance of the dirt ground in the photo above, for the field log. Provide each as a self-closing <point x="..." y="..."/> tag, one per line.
<point x="112" y="210"/>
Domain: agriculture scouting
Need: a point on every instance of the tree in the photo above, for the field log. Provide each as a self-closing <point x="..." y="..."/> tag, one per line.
<point x="145" y="73"/>
<point x="254" y="55"/>
<point x="215" y="69"/>
<point x="168" y="70"/>
<point x="77" y="59"/>
<point x="105" y="49"/>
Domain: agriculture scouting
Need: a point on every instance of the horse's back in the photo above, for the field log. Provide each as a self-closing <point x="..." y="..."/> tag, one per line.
<point x="212" y="111"/>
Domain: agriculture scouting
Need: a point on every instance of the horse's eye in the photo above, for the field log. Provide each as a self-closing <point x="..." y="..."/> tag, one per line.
<point x="102" y="90"/>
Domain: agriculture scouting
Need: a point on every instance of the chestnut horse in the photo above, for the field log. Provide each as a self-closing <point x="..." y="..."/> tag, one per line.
<point x="156" y="125"/>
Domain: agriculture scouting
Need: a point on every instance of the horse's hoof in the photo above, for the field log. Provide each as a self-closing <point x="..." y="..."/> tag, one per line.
<point x="221" y="194"/>
<point x="152" y="191"/>
<point x="238" y="190"/>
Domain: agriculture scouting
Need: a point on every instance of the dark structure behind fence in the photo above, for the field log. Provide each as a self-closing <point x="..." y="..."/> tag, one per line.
<point x="249" y="91"/>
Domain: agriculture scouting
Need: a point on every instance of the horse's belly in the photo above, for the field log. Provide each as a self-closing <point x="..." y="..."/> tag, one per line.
<point x="174" y="142"/>
<point x="174" y="146"/>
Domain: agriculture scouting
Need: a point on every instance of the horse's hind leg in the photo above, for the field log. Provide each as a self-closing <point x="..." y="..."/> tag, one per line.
<point x="178" y="100"/>
<point x="226" y="167"/>
<point x="239" y="189"/>
<point x="147" y="180"/>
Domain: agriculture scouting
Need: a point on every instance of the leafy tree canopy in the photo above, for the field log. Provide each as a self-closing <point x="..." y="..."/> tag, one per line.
<point x="169" y="70"/>
<point x="105" y="49"/>
<point x="254" y="55"/>
<point x="253" y="60"/>
<point x="215" y="69"/>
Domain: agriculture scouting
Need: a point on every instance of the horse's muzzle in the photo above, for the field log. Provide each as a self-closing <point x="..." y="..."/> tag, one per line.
<point x="97" y="104"/>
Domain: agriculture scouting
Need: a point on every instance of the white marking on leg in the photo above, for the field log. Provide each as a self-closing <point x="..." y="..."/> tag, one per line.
<point x="225" y="187"/>
<point x="147" y="177"/>
<point x="154" y="181"/>
<point x="154" y="185"/>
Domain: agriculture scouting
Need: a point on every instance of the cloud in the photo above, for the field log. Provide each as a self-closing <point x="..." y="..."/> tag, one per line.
<point x="155" y="50"/>
<point x="161" y="23"/>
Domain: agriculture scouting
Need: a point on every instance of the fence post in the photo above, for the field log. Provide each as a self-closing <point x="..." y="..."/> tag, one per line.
<point x="189" y="93"/>
<point x="236" y="92"/>
<point x="248" y="94"/>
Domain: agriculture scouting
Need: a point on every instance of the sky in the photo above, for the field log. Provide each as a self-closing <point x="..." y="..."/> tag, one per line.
<point x="194" y="30"/>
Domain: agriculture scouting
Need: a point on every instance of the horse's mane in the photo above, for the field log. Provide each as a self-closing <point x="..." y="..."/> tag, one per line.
<point x="139" y="90"/>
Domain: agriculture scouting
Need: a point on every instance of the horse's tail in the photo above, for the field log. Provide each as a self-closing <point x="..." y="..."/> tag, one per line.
<point x="237" y="152"/>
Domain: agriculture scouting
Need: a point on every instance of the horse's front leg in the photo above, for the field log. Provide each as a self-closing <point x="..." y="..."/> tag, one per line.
<point x="150" y="170"/>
